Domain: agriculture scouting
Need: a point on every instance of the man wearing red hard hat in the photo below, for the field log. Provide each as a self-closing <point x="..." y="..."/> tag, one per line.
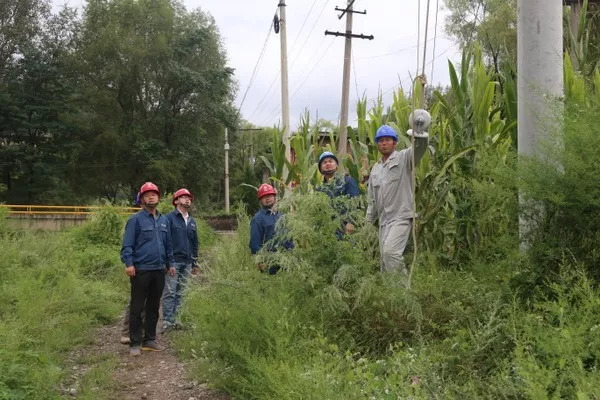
<point x="262" y="226"/>
<point x="147" y="253"/>
<point x="185" y="251"/>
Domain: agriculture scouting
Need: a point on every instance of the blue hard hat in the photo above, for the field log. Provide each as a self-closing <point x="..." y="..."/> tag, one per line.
<point x="326" y="154"/>
<point x="386" y="131"/>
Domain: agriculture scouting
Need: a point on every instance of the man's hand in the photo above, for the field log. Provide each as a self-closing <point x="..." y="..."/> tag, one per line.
<point x="172" y="271"/>
<point x="349" y="229"/>
<point x="195" y="269"/>
<point x="130" y="271"/>
<point x="262" y="266"/>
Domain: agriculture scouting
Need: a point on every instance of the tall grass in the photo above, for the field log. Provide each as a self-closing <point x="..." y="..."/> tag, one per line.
<point x="56" y="288"/>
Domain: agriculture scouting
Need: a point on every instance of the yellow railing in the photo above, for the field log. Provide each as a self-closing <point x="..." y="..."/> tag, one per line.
<point x="27" y="209"/>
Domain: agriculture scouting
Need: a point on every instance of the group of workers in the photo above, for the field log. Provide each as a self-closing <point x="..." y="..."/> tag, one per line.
<point x="160" y="252"/>
<point x="390" y="199"/>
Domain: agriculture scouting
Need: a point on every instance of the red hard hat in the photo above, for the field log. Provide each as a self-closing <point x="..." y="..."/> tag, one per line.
<point x="181" y="192"/>
<point x="265" y="189"/>
<point x="149" y="187"/>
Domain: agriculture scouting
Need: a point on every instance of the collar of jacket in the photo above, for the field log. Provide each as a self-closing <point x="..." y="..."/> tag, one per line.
<point x="267" y="211"/>
<point x="148" y="214"/>
<point x="179" y="213"/>
<point x="391" y="157"/>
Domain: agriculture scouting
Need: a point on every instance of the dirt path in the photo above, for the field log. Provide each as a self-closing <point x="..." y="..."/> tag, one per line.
<point x="153" y="375"/>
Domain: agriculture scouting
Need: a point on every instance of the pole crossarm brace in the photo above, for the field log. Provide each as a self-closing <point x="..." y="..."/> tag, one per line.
<point x="350" y="35"/>
<point x="345" y="10"/>
<point x="348" y="8"/>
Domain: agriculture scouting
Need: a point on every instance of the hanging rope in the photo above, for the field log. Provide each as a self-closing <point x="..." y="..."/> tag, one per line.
<point x="437" y="9"/>
<point x="425" y="42"/>
<point x="419" y="80"/>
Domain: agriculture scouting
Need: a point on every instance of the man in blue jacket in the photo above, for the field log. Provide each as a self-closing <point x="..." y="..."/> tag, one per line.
<point x="147" y="253"/>
<point x="262" y="226"/>
<point x="335" y="186"/>
<point x="185" y="251"/>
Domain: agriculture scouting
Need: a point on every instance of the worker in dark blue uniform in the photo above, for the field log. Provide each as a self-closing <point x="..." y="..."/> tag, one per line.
<point x="184" y="236"/>
<point x="263" y="225"/>
<point x="147" y="253"/>
<point x="336" y="185"/>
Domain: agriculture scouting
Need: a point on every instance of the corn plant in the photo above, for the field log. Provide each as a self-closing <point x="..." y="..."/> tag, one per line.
<point x="466" y="126"/>
<point x="578" y="42"/>
<point x="574" y="82"/>
<point x="303" y="169"/>
<point x="277" y="162"/>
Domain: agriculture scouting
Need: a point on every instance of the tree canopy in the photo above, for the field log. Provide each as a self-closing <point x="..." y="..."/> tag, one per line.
<point x="93" y="105"/>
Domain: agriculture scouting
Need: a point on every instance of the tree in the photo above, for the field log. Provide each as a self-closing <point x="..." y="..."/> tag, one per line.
<point x="158" y="93"/>
<point x="492" y="23"/>
<point x="35" y="100"/>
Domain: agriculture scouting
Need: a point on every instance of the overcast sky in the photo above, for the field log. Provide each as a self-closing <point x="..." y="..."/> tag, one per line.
<point x="315" y="61"/>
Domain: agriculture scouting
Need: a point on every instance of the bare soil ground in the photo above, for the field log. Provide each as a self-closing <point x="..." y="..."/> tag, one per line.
<point x="153" y="375"/>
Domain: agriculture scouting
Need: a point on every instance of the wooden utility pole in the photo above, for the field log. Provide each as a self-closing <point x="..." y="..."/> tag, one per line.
<point x="539" y="76"/>
<point x="285" y="105"/>
<point x="343" y="132"/>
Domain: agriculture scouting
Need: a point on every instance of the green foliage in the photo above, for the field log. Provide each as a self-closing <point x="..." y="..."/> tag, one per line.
<point x="557" y="345"/>
<point x="72" y="105"/>
<point x="105" y="227"/>
<point x="327" y="326"/>
<point x="564" y="197"/>
<point x="493" y="23"/>
<point x="56" y="288"/>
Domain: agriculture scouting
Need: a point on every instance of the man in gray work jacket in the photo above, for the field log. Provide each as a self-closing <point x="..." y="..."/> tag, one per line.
<point x="390" y="195"/>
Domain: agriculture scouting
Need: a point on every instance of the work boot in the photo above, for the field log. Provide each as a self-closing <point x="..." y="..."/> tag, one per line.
<point x="135" y="351"/>
<point x="152" y="345"/>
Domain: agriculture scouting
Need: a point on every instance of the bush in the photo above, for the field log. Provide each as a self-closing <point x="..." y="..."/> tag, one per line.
<point x="105" y="227"/>
<point x="329" y="326"/>
<point x="564" y="197"/>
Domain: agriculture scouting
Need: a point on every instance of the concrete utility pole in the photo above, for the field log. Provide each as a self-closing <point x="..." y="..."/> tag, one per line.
<point x="226" y="172"/>
<point x="343" y="143"/>
<point x="539" y="74"/>
<point x="343" y="135"/>
<point x="285" y="100"/>
<point x="539" y="69"/>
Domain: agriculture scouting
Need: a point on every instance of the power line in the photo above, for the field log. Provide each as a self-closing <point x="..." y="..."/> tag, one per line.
<point x="309" y="33"/>
<point x="297" y="54"/>
<point x="277" y="108"/>
<point x="437" y="9"/>
<point x="392" y="52"/>
<point x="256" y="66"/>
<point x="274" y="112"/>
<point x="303" y="23"/>
<point x="354" y="71"/>
<point x="408" y="77"/>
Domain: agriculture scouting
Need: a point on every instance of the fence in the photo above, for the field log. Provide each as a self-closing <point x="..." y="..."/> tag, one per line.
<point x="52" y="218"/>
<point x="23" y="209"/>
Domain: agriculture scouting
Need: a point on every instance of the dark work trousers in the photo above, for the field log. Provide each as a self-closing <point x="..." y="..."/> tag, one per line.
<point x="146" y="289"/>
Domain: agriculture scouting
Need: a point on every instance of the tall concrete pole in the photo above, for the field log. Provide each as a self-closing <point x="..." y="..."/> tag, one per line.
<point x="285" y="105"/>
<point x="343" y="136"/>
<point x="226" y="172"/>
<point x="539" y="74"/>
<point x="539" y="69"/>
